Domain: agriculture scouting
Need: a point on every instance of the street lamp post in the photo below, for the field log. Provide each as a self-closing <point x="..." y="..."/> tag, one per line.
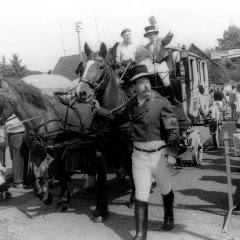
<point x="78" y="30"/>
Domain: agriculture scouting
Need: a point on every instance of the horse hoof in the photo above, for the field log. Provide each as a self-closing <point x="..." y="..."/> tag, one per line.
<point x="99" y="218"/>
<point x="48" y="200"/>
<point x="62" y="207"/>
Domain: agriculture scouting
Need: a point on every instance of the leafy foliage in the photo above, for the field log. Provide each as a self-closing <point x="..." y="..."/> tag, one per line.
<point x="229" y="69"/>
<point x="231" y="38"/>
<point x="13" y="70"/>
<point x="18" y="69"/>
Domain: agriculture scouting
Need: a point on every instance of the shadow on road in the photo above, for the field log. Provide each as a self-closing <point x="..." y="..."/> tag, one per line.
<point x="216" y="199"/>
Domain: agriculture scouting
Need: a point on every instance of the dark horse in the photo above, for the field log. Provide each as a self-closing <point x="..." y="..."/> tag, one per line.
<point x="50" y="127"/>
<point x="98" y="81"/>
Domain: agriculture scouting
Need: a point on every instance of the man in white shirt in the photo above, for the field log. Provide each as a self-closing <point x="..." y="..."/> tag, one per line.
<point x="127" y="49"/>
<point x="16" y="132"/>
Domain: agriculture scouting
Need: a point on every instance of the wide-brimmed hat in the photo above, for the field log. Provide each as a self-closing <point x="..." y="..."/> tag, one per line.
<point x="137" y="72"/>
<point x="150" y="29"/>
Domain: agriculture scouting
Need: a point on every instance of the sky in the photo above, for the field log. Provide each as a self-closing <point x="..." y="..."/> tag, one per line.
<point x="42" y="31"/>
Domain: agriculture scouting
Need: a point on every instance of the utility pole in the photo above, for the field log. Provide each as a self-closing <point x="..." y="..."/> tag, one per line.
<point x="62" y="40"/>
<point x="78" y="30"/>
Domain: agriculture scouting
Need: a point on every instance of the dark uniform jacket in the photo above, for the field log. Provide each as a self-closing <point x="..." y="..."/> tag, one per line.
<point x="153" y="120"/>
<point x="159" y="52"/>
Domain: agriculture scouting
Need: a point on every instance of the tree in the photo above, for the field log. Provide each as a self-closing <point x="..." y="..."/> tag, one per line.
<point x="3" y="66"/>
<point x="231" y="38"/>
<point x="18" y="70"/>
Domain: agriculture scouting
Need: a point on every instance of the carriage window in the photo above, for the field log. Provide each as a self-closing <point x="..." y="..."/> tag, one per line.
<point x="199" y="71"/>
<point x="193" y="74"/>
<point x="191" y="69"/>
<point x="203" y="72"/>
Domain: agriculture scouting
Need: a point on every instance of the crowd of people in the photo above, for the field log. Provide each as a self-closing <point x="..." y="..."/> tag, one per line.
<point x="227" y="100"/>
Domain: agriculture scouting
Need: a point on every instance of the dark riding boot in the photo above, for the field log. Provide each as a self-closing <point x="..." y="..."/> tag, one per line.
<point x="168" y="211"/>
<point x="141" y="220"/>
<point x="172" y="95"/>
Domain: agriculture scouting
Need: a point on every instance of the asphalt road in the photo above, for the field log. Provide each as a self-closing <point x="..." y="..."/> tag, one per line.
<point x="201" y="205"/>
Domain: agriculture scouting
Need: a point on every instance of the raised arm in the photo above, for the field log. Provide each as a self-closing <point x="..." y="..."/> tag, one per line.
<point x="167" y="39"/>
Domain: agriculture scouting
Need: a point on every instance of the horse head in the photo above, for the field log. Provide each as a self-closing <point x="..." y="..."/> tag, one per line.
<point x="95" y="72"/>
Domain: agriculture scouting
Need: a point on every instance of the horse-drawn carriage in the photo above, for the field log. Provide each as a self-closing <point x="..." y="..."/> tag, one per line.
<point x="45" y="117"/>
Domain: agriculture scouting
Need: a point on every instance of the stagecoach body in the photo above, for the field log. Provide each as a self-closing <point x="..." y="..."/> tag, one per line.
<point x="189" y="77"/>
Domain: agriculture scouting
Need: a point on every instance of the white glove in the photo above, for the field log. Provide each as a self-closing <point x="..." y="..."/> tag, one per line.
<point x="170" y="161"/>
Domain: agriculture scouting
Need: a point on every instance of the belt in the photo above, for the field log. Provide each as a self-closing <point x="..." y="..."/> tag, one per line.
<point x="150" y="151"/>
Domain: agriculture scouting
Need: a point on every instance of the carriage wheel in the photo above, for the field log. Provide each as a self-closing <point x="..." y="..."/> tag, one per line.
<point x="215" y="137"/>
<point x="197" y="149"/>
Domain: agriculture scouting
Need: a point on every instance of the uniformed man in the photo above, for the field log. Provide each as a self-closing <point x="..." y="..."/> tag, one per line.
<point x="155" y="134"/>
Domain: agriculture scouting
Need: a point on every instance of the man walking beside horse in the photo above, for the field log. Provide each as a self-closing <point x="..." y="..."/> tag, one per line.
<point x="155" y="134"/>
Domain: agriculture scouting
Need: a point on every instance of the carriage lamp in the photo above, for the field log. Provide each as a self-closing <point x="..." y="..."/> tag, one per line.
<point x="184" y="52"/>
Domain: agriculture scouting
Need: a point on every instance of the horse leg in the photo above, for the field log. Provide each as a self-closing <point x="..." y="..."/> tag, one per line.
<point x="128" y="167"/>
<point x="89" y="186"/>
<point x="101" y="213"/>
<point x="127" y="164"/>
<point x="64" y="203"/>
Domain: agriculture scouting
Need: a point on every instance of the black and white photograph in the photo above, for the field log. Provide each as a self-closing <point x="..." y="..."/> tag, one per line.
<point x="119" y="120"/>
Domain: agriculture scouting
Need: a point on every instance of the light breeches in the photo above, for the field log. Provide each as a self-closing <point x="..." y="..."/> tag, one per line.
<point x="148" y="165"/>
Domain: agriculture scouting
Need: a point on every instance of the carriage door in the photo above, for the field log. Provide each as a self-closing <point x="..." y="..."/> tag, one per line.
<point x="193" y="95"/>
<point x="204" y="99"/>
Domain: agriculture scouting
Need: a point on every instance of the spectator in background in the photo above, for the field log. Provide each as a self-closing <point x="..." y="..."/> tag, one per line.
<point x="237" y="102"/>
<point x="232" y="99"/>
<point x="16" y="132"/>
<point x="218" y="98"/>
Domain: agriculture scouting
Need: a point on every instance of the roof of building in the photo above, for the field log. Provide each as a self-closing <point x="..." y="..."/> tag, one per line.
<point x="194" y="49"/>
<point x="219" y="54"/>
<point x="66" y="66"/>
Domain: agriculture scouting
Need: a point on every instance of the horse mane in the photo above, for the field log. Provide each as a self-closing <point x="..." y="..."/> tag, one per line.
<point x="28" y="92"/>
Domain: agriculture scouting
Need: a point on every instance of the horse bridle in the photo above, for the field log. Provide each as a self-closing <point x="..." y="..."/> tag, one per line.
<point x="101" y="82"/>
